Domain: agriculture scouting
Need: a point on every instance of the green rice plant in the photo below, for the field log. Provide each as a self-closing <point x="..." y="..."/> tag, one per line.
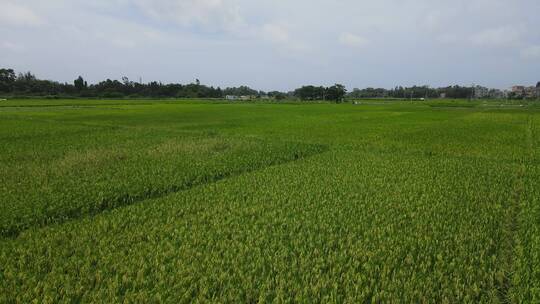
<point x="80" y="174"/>
<point x="395" y="203"/>
<point x="524" y="286"/>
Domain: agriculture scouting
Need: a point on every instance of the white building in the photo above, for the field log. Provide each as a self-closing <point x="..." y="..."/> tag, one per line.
<point x="518" y="91"/>
<point x="496" y="93"/>
<point x="530" y="92"/>
<point x="481" y="92"/>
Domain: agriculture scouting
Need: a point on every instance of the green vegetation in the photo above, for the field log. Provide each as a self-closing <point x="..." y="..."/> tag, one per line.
<point x="117" y="166"/>
<point x="183" y="201"/>
<point x="27" y="85"/>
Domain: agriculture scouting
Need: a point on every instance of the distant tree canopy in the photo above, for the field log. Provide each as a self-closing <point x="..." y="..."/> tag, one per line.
<point x="335" y="93"/>
<point x="27" y="84"/>
<point x="7" y="78"/>
<point x="277" y="95"/>
<point x="241" y="91"/>
<point x="310" y="93"/>
<point x="413" y="92"/>
<point x="80" y="84"/>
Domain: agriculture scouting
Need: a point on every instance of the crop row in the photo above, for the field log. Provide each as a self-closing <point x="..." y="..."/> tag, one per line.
<point x="339" y="227"/>
<point x="54" y="179"/>
<point x="414" y="205"/>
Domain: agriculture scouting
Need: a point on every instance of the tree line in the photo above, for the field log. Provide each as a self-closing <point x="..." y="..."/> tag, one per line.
<point x="27" y="84"/>
<point x="414" y="92"/>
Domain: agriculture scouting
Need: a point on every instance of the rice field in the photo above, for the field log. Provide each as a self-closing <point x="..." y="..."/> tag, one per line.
<point x="196" y="201"/>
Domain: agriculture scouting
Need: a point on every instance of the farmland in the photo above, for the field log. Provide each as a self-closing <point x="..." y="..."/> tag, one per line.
<point x="183" y="201"/>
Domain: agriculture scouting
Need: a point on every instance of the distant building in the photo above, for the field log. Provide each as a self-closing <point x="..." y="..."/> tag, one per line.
<point x="538" y="90"/>
<point x="525" y="92"/>
<point x="443" y="95"/>
<point x="496" y="94"/>
<point x="481" y="92"/>
<point x="530" y="92"/>
<point x="243" y="97"/>
<point x="518" y="91"/>
<point x="518" y="88"/>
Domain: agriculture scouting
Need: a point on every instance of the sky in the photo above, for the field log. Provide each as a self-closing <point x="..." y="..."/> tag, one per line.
<point x="276" y="44"/>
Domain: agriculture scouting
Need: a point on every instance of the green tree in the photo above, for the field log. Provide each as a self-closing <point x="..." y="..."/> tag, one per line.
<point x="277" y="95"/>
<point x="80" y="84"/>
<point x="336" y="92"/>
<point x="7" y="78"/>
<point x="310" y="93"/>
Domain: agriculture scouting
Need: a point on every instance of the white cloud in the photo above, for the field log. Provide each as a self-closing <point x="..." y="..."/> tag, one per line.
<point x="531" y="52"/>
<point x="506" y="36"/>
<point x="435" y="20"/>
<point x="280" y="37"/>
<point x="17" y="15"/>
<point x="352" y="40"/>
<point x="216" y="15"/>
<point x="172" y="39"/>
<point x="276" y="33"/>
<point x="10" y="46"/>
<point x="449" y="38"/>
<point x="123" y="43"/>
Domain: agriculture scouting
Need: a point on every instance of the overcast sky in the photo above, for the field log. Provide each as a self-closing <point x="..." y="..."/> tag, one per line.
<point x="276" y="44"/>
